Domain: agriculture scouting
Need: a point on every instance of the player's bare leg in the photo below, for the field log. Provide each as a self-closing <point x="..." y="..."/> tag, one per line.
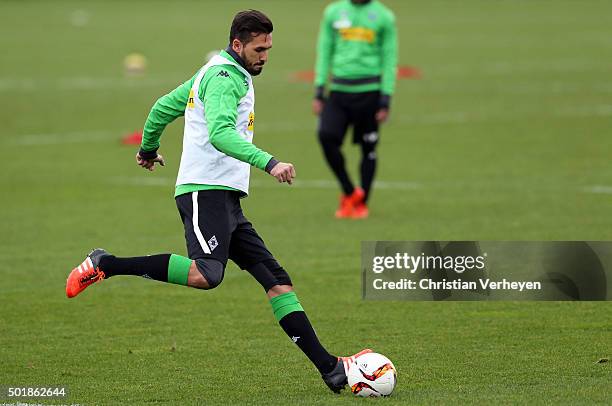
<point x="195" y="279"/>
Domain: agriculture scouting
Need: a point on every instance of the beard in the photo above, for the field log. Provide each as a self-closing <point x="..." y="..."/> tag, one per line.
<point x="254" y="69"/>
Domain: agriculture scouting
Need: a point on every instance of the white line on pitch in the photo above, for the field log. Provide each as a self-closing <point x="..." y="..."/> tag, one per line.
<point x="301" y="184"/>
<point x="61" y="138"/>
<point x="434" y="118"/>
<point x="32" y="84"/>
<point x="308" y="184"/>
<point x="599" y="189"/>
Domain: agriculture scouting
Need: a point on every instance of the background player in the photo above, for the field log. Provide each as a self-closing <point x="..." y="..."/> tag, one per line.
<point x="358" y="40"/>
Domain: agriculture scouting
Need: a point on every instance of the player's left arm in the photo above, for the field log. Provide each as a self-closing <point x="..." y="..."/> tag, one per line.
<point x="389" y="50"/>
<point x="222" y="95"/>
<point x="224" y="87"/>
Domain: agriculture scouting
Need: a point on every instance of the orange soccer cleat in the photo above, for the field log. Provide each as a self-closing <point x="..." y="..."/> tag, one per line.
<point x="360" y="209"/>
<point x="347" y="361"/>
<point x="348" y="203"/>
<point x="85" y="274"/>
<point x="346" y="207"/>
<point x="337" y="379"/>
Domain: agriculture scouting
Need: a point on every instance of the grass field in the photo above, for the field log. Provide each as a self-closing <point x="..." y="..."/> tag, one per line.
<point x="505" y="137"/>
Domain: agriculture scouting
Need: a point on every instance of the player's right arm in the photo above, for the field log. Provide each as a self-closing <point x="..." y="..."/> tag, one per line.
<point x="325" y="49"/>
<point x="165" y="110"/>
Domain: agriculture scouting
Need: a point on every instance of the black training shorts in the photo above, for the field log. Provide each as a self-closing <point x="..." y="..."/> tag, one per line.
<point x="216" y="228"/>
<point x="358" y="110"/>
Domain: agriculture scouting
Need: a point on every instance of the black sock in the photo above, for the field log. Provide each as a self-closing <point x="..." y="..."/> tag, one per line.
<point x="368" y="168"/>
<point x="335" y="160"/>
<point x="298" y="328"/>
<point x="152" y="266"/>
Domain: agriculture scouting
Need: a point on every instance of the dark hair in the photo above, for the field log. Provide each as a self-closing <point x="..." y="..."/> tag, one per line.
<point x="249" y="22"/>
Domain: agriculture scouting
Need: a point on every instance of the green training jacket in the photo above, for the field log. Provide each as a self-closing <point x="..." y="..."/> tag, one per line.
<point x="221" y="113"/>
<point x="359" y="43"/>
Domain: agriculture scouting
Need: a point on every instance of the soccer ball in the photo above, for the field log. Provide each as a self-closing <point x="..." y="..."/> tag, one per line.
<point x="372" y="375"/>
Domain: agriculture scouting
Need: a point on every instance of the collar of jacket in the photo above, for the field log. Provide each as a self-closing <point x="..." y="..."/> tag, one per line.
<point x="236" y="57"/>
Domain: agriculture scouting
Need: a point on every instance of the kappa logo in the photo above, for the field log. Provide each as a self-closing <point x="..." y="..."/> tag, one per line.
<point x="213" y="243"/>
<point x="223" y="73"/>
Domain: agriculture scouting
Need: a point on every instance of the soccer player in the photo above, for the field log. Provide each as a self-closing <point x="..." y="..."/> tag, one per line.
<point x="218" y="105"/>
<point x="358" y="40"/>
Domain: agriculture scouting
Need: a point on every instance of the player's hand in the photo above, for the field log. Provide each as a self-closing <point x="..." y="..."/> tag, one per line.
<point x="382" y="115"/>
<point x="283" y="172"/>
<point x="317" y="106"/>
<point x="150" y="163"/>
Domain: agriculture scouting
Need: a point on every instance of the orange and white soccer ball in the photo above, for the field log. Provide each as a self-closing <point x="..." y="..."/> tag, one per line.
<point x="372" y="375"/>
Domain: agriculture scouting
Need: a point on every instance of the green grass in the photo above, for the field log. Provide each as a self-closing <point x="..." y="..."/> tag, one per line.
<point x="505" y="137"/>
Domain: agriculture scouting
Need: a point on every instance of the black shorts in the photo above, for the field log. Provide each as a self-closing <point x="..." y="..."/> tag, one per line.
<point x="355" y="109"/>
<point x="216" y="228"/>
